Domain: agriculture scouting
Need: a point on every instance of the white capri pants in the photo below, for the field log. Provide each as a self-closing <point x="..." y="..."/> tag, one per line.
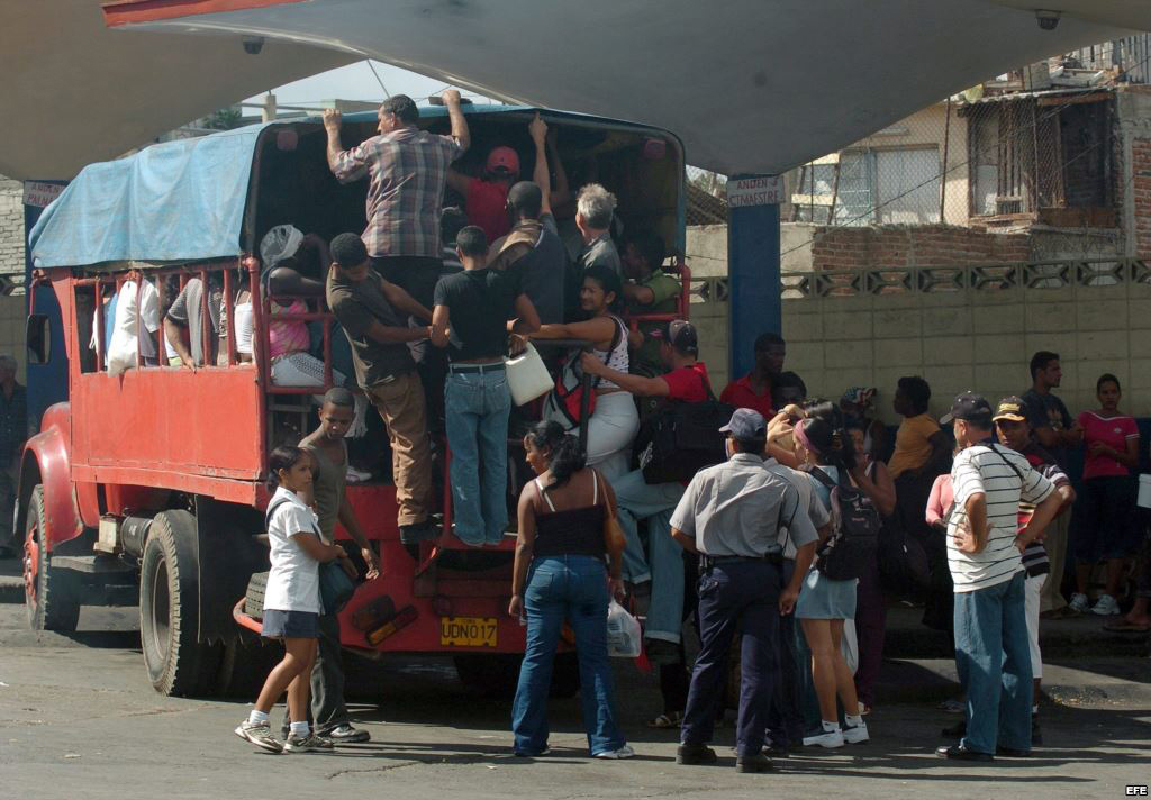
<point x="1032" y="589"/>
<point x="610" y="432"/>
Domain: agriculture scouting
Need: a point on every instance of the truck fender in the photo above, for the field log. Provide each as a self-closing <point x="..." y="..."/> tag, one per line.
<point x="46" y="460"/>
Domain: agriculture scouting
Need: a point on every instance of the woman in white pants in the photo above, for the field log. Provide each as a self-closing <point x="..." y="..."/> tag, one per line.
<point x="615" y="420"/>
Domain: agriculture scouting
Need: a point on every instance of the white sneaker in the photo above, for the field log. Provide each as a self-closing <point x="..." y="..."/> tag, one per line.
<point x="624" y="752"/>
<point x="1079" y="603"/>
<point x="1105" y="606"/>
<point x="856" y="735"/>
<point x="826" y="739"/>
<point x="259" y="735"/>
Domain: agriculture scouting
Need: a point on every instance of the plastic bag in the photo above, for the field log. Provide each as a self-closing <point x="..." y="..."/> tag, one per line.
<point x="850" y="646"/>
<point x="624" y="634"/>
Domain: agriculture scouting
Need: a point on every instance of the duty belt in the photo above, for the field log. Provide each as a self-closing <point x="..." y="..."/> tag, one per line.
<point x="707" y="562"/>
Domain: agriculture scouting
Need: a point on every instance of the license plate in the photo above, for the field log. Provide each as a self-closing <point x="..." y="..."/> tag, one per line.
<point x="468" y="631"/>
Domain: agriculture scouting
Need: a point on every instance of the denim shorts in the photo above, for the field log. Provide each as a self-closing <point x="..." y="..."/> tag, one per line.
<point x="290" y="624"/>
<point x="822" y="598"/>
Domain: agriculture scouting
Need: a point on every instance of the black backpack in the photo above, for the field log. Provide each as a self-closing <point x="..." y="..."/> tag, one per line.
<point x="679" y="439"/>
<point x="855" y="538"/>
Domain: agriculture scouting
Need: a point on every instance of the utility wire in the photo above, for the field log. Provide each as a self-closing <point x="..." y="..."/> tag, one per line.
<point x="372" y="67"/>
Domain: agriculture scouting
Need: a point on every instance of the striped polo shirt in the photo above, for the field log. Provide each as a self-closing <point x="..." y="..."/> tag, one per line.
<point x="982" y="468"/>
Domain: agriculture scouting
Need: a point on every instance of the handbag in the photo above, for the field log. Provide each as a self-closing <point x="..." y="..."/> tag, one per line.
<point x="336" y="588"/>
<point x="569" y="399"/>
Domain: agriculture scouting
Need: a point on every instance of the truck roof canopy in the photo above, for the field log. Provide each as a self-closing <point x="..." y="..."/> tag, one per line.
<point x="185" y="200"/>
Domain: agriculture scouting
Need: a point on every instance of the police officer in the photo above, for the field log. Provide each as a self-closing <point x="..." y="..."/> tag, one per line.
<point x="731" y="514"/>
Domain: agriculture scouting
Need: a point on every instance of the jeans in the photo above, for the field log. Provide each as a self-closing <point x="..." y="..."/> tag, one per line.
<point x="993" y="655"/>
<point x="477" y="405"/>
<point x="785" y="716"/>
<point x="572" y="588"/>
<point x="327" y="710"/>
<point x="871" y="628"/>
<point x="744" y="592"/>
<point x="638" y="500"/>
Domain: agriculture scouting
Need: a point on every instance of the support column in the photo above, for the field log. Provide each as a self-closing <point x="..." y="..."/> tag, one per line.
<point x="752" y="265"/>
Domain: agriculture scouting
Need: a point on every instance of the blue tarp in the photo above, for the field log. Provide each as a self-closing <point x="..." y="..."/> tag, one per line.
<point x="175" y="201"/>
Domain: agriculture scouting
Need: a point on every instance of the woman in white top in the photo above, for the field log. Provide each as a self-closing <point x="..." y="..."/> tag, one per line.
<point x="291" y="602"/>
<point x="615" y="421"/>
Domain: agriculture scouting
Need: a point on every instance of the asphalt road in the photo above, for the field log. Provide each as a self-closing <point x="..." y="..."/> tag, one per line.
<point x="78" y="719"/>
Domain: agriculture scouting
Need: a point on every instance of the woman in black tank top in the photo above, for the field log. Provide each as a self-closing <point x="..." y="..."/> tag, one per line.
<point x="561" y="572"/>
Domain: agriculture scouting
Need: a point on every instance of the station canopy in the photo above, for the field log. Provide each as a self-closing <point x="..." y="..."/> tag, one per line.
<point x="751" y="86"/>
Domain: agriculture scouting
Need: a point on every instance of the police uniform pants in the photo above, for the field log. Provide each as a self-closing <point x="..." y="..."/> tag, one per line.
<point x="746" y="591"/>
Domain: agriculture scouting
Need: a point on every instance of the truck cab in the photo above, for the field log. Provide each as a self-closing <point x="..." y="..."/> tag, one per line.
<point x="145" y="484"/>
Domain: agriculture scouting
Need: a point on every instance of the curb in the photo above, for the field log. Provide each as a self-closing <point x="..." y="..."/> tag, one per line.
<point x="11" y="590"/>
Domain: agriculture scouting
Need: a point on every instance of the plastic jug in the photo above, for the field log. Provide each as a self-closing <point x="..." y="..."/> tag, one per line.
<point x="528" y="378"/>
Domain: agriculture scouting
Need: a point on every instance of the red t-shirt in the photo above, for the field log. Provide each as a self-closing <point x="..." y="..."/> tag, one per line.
<point x="688" y="384"/>
<point x="741" y="395"/>
<point x="487" y="206"/>
<point x="1115" y="433"/>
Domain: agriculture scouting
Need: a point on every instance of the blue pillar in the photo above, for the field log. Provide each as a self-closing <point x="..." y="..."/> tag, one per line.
<point x="753" y="277"/>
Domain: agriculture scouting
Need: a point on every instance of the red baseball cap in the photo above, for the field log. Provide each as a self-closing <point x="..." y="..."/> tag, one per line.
<point x="503" y="159"/>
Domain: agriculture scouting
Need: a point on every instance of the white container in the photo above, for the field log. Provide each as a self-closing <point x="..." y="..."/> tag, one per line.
<point x="528" y="378"/>
<point x="1144" y="499"/>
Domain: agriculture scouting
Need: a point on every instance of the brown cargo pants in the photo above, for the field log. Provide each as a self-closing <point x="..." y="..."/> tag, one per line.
<point x="402" y="407"/>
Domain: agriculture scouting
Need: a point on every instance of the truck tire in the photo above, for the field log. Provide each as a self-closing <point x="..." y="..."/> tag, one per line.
<point x="178" y="664"/>
<point x="51" y="595"/>
<point x="245" y="665"/>
<point x="254" y="597"/>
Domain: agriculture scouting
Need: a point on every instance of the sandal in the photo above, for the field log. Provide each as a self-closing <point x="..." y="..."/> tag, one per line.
<point x="671" y="720"/>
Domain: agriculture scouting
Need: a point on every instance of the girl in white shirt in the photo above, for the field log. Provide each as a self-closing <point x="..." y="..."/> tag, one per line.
<point x="291" y="602"/>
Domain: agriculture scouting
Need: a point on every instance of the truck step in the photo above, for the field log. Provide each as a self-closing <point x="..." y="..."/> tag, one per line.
<point x="94" y="565"/>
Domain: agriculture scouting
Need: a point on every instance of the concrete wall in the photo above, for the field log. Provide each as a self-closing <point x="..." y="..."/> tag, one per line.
<point x="980" y="340"/>
<point x="11" y="227"/>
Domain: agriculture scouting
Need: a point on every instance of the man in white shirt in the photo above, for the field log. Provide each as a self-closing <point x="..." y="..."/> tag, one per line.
<point x="984" y="550"/>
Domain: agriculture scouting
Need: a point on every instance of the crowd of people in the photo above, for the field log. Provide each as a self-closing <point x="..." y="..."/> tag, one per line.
<point x="786" y="542"/>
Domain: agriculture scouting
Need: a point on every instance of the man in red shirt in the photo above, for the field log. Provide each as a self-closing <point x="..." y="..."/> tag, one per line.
<point x="753" y="390"/>
<point x="486" y="199"/>
<point x="659" y="571"/>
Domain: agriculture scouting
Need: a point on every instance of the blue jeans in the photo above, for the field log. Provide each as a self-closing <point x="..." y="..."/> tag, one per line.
<point x="638" y="500"/>
<point x="993" y="655"/>
<point x="747" y="593"/>
<point x="572" y="588"/>
<point x="477" y="406"/>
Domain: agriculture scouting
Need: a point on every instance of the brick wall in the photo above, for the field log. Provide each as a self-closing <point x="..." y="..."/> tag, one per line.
<point x="11" y="227"/>
<point x="904" y="246"/>
<point x="1141" y="194"/>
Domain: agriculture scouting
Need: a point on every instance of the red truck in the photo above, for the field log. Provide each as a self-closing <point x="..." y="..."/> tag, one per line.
<point x="146" y="486"/>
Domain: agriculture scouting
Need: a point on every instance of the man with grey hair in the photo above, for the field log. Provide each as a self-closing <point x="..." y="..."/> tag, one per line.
<point x="595" y="207"/>
<point x="13" y="434"/>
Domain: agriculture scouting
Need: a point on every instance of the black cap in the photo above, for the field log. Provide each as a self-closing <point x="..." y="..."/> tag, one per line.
<point x="680" y="334"/>
<point x="971" y="407"/>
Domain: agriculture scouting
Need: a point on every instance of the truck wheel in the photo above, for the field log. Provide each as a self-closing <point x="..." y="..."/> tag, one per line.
<point x="254" y="597"/>
<point x="169" y="609"/>
<point x="51" y="596"/>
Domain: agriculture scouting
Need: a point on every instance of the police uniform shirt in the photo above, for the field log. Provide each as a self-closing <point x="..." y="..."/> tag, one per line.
<point x="736" y="508"/>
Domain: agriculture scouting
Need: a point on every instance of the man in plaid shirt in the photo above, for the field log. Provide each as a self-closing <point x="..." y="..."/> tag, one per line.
<point x="407" y="168"/>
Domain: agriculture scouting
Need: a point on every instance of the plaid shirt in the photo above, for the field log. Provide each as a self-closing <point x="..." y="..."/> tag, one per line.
<point x="407" y="169"/>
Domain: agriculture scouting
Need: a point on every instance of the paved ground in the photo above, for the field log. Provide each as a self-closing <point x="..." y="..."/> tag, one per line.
<point x="78" y="719"/>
